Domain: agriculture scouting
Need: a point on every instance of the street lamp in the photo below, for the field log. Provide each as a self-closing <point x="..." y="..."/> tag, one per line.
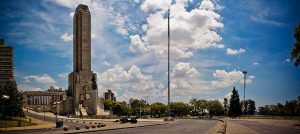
<point x="5" y="97"/>
<point x="244" y="72"/>
<point x="56" y="104"/>
<point x="44" y="111"/>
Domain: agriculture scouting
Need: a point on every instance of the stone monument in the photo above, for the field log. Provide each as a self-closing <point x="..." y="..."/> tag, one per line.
<point x="82" y="81"/>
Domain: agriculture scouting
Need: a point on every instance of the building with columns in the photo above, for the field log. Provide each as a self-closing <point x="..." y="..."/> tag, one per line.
<point x="43" y="100"/>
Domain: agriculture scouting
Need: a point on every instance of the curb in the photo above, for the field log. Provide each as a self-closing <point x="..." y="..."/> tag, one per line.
<point x="222" y="128"/>
<point x="114" y="128"/>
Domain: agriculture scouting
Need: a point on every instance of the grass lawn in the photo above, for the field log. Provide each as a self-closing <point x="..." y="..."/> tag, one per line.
<point x="14" y="123"/>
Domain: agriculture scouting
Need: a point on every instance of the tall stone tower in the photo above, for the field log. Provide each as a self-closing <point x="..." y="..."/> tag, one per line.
<point x="82" y="81"/>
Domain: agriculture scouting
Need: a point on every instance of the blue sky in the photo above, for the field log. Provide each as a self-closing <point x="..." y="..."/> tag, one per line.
<point x="211" y="43"/>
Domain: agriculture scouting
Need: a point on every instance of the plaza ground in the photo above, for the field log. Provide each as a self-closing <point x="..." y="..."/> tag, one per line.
<point x="150" y="126"/>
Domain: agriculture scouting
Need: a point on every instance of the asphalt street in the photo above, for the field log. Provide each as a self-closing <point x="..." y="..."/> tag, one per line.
<point x="181" y="127"/>
<point x="262" y="128"/>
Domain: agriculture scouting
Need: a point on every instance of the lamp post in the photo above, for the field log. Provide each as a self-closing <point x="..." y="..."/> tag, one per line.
<point x="56" y="104"/>
<point x="141" y="108"/>
<point x="44" y="111"/>
<point x="169" y="107"/>
<point x="245" y="73"/>
<point x="5" y="97"/>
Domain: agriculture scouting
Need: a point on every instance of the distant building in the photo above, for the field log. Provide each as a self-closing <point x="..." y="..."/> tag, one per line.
<point x="6" y="63"/>
<point x="109" y="95"/>
<point x="43" y="100"/>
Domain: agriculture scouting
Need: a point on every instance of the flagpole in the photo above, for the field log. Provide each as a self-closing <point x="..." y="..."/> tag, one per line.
<point x="169" y="107"/>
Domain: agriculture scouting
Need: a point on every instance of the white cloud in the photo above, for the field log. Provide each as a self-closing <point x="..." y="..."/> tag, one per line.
<point x="66" y="3"/>
<point x="106" y="63"/>
<point x="71" y="14"/>
<point x="227" y="79"/>
<point x="207" y="4"/>
<point x="190" y="30"/>
<point x="152" y="5"/>
<point x="287" y="60"/>
<point x="133" y="82"/>
<point x="234" y="52"/>
<point x="66" y="37"/>
<point x="63" y="75"/>
<point x="136" y="1"/>
<point x="184" y="80"/>
<point x="137" y="44"/>
<point x="252" y="77"/>
<point x="44" y="79"/>
<point x="255" y="63"/>
<point x="182" y="69"/>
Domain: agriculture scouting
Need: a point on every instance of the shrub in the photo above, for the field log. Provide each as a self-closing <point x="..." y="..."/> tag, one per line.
<point x="77" y="128"/>
<point x="66" y="128"/>
<point x="102" y="124"/>
<point x="87" y="127"/>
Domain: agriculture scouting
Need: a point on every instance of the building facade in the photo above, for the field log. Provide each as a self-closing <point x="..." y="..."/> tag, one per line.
<point x="43" y="100"/>
<point x="109" y="95"/>
<point x="6" y="63"/>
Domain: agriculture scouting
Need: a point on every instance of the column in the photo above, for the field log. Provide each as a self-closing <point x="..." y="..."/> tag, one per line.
<point x="38" y="100"/>
<point x="42" y="99"/>
<point x="46" y="99"/>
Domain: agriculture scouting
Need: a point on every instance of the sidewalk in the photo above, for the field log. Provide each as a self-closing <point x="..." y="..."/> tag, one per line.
<point x="49" y="114"/>
<point x="114" y="126"/>
<point x="215" y="129"/>
<point x="235" y="128"/>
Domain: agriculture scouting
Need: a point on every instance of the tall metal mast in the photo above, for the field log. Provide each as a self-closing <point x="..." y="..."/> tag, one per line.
<point x="169" y="61"/>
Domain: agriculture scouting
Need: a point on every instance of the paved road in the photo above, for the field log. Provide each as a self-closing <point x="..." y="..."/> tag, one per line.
<point x="266" y="129"/>
<point x="182" y="127"/>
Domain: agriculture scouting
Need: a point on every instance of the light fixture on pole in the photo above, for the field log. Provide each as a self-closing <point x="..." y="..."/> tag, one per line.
<point x="5" y="97"/>
<point x="244" y="72"/>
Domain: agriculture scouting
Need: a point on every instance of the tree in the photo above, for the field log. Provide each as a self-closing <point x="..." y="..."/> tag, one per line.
<point x="11" y="107"/>
<point x="120" y="109"/>
<point x="179" y="109"/>
<point x="263" y="110"/>
<point x="235" y="105"/>
<point x="158" y="109"/>
<point x="226" y="107"/>
<point x="202" y="105"/>
<point x="295" y="53"/>
<point x="251" y="107"/>
<point x="108" y="104"/>
<point x="291" y="108"/>
<point x="215" y="108"/>
<point x="137" y="106"/>
<point x="195" y="109"/>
